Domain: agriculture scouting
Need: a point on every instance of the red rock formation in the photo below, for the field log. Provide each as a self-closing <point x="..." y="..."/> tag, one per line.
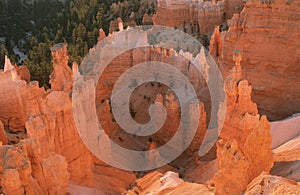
<point x="267" y="184"/>
<point x="116" y="25"/>
<point x="101" y="35"/>
<point x="54" y="125"/>
<point x="268" y="64"/>
<point x="7" y="65"/>
<point x="3" y="136"/>
<point x="147" y="20"/>
<point x="201" y="171"/>
<point x="61" y="77"/>
<point x="232" y="7"/>
<point x="140" y="104"/>
<point x="215" y="43"/>
<point x="169" y="183"/>
<point x="50" y="119"/>
<point x="285" y="130"/>
<point x="23" y="72"/>
<point x="244" y="150"/>
<point x="26" y="170"/>
<point x="211" y="15"/>
<point x="195" y="17"/>
<point x="12" y="91"/>
<point x="286" y="148"/>
<point x="178" y="9"/>
<point x="288" y="152"/>
<point x="132" y="22"/>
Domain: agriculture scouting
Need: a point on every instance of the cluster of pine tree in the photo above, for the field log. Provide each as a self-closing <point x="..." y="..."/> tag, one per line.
<point x="34" y="26"/>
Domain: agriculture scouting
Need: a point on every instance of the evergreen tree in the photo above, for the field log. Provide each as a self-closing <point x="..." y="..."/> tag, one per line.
<point x="39" y="63"/>
<point x="34" y="27"/>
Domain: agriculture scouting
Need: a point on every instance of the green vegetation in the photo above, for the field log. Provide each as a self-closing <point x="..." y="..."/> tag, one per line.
<point x="34" y="26"/>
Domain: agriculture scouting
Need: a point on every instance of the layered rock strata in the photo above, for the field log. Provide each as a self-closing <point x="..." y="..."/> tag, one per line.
<point x="195" y="17"/>
<point x="262" y="32"/>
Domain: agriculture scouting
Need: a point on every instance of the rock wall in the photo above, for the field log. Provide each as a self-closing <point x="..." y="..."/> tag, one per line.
<point x="232" y="7"/>
<point x="267" y="34"/>
<point x="151" y="92"/>
<point x="178" y="14"/>
<point x="211" y="15"/>
<point x="195" y="17"/>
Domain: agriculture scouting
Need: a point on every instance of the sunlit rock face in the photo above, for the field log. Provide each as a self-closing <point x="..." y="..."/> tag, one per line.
<point x="3" y="136"/>
<point x="168" y="183"/>
<point x="268" y="184"/>
<point x="47" y="117"/>
<point x="50" y="119"/>
<point x="12" y="98"/>
<point x="28" y="170"/>
<point x="61" y="77"/>
<point x="269" y="42"/>
<point x="244" y="148"/>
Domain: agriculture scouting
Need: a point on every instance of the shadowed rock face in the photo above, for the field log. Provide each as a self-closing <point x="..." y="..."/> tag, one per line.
<point x="24" y="73"/>
<point x="269" y="43"/>
<point x="286" y="148"/>
<point x="145" y="95"/>
<point x="195" y="17"/>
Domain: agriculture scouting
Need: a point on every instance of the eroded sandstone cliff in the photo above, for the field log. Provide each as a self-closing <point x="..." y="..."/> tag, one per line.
<point x="267" y="34"/>
<point x="54" y="154"/>
<point x="47" y="116"/>
<point x="195" y="17"/>
<point x="244" y="148"/>
<point x="25" y="169"/>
